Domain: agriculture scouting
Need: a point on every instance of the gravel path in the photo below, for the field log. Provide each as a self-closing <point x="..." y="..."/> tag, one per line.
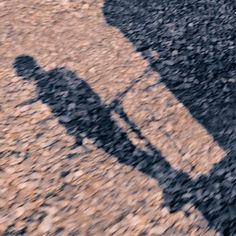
<point x="195" y="44"/>
<point x="117" y="118"/>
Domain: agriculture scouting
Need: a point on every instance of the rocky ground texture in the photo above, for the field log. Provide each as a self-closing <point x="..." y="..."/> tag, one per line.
<point x="117" y="117"/>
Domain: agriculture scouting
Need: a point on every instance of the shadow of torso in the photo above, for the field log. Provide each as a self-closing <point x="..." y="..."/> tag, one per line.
<point x="81" y="111"/>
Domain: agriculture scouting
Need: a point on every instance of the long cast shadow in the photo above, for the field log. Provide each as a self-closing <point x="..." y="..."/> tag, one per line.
<point x="83" y="114"/>
<point x="191" y="44"/>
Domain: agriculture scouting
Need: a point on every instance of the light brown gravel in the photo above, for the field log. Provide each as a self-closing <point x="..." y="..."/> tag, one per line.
<point x="99" y="196"/>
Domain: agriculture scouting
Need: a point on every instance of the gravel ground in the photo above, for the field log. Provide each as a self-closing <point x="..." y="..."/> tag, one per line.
<point x="114" y="121"/>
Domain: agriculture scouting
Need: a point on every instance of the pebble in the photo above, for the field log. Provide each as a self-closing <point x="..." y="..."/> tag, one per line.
<point x="78" y="173"/>
<point x="20" y="211"/>
<point x="51" y="210"/>
<point x="46" y="224"/>
<point x="158" y="230"/>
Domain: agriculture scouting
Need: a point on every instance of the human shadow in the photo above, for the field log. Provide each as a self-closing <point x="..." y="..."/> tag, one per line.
<point x="80" y="110"/>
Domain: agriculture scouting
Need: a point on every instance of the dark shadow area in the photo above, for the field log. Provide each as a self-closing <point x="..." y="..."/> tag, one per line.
<point x="196" y="43"/>
<point x="196" y="46"/>
<point x="83" y="114"/>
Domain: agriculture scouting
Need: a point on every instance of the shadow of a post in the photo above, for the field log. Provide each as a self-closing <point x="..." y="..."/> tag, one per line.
<point x="80" y="110"/>
<point x="196" y="48"/>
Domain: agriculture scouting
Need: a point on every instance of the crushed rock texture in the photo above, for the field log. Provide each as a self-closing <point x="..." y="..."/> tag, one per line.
<point x="117" y="118"/>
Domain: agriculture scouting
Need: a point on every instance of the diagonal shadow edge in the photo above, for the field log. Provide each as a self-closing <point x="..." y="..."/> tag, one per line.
<point x="80" y="110"/>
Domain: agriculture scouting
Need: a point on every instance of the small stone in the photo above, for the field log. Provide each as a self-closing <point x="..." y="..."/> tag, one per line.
<point x="65" y="2"/>
<point x="85" y="6"/>
<point x="78" y="173"/>
<point x="72" y="155"/>
<point x="45" y="225"/>
<point x="59" y="230"/>
<point x="71" y="106"/>
<point x="10" y="170"/>
<point x="20" y="211"/>
<point x="64" y="173"/>
<point x="158" y="230"/>
<point x="69" y="178"/>
<point x="65" y="119"/>
<point x="155" y="55"/>
<point x="51" y="210"/>
<point x="22" y="185"/>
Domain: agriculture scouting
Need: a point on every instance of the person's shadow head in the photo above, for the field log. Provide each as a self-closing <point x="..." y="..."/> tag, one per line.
<point x="26" y="67"/>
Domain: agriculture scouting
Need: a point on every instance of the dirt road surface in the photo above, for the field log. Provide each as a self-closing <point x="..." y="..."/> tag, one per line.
<point x="115" y="181"/>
